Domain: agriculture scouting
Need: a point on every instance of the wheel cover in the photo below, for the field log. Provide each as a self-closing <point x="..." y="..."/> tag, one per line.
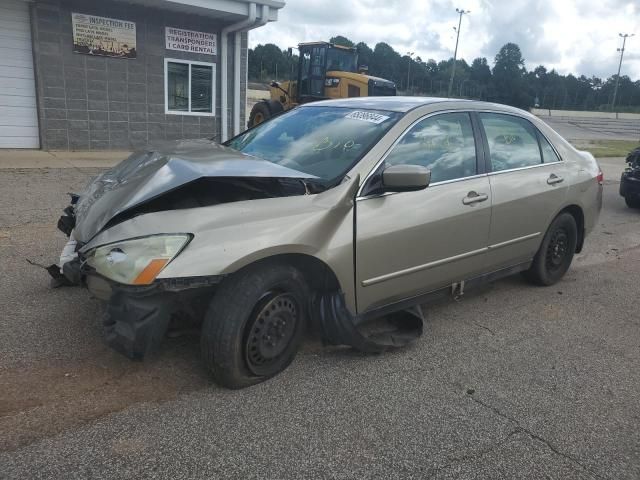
<point x="270" y="331"/>
<point x="258" y="118"/>
<point x="557" y="250"/>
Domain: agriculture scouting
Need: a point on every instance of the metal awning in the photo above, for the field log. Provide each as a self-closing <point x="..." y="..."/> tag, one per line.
<point x="225" y="10"/>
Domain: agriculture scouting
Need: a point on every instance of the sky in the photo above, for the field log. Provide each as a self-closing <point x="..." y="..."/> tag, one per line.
<point x="572" y="36"/>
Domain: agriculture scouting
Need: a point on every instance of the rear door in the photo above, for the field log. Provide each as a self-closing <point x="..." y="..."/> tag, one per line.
<point x="527" y="185"/>
<point x="411" y="243"/>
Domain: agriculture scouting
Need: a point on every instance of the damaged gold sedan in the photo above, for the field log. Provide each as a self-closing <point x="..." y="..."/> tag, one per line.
<point x="341" y="217"/>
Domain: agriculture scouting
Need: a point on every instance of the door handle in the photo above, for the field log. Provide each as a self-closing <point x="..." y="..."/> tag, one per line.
<point x="553" y="179"/>
<point x="474" y="197"/>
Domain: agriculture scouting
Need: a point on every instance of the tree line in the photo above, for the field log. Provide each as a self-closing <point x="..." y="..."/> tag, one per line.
<point x="506" y="80"/>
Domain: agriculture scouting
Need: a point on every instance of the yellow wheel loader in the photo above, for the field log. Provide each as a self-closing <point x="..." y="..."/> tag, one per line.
<point x="325" y="71"/>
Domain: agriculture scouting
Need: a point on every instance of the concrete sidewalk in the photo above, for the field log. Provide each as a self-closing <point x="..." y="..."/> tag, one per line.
<point x="59" y="159"/>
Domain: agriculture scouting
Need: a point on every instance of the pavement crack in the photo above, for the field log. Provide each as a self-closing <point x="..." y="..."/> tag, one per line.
<point x="473" y="455"/>
<point x="483" y="326"/>
<point x="36" y="264"/>
<point x="538" y="438"/>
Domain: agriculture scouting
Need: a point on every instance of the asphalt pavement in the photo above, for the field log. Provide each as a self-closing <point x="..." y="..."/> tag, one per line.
<point x="511" y="381"/>
<point x="593" y="128"/>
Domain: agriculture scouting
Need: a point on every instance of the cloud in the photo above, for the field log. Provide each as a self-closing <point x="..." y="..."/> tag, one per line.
<point x="571" y="36"/>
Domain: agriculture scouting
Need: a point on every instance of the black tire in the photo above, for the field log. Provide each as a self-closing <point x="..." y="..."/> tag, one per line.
<point x="254" y="325"/>
<point x="259" y="113"/>
<point x="275" y="107"/>
<point x="632" y="202"/>
<point x="556" y="252"/>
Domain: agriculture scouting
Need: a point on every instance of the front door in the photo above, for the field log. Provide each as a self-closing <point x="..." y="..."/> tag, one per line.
<point x="312" y="71"/>
<point x="528" y="185"/>
<point x="411" y="243"/>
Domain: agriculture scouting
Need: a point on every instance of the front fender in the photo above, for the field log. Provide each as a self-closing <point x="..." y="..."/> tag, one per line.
<point x="230" y="236"/>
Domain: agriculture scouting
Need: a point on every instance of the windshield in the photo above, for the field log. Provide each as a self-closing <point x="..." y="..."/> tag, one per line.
<point x="321" y="141"/>
<point x="342" y="60"/>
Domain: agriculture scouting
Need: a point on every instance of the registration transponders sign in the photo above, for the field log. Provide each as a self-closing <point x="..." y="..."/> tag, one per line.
<point x="370" y="117"/>
<point x="190" y="41"/>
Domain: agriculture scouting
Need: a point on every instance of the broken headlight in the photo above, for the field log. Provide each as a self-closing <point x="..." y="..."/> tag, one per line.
<point x="137" y="261"/>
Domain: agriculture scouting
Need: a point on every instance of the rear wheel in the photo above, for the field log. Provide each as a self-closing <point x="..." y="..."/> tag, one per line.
<point x="632" y="202"/>
<point x="556" y="252"/>
<point x="259" y="113"/>
<point x="254" y="325"/>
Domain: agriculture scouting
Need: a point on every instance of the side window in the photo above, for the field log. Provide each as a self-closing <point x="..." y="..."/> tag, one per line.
<point x="512" y="142"/>
<point x="442" y="143"/>
<point x="548" y="153"/>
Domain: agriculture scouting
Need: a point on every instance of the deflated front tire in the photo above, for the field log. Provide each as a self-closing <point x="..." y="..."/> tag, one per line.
<point x="254" y="325"/>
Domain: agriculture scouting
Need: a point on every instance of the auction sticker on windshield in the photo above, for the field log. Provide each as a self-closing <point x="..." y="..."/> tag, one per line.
<point x="370" y="117"/>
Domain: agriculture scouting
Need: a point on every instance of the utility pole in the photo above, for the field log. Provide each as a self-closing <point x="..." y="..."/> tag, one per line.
<point x="455" y="53"/>
<point x="621" y="50"/>
<point x="410" y="55"/>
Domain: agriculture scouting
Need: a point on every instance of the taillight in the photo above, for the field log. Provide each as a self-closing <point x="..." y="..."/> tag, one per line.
<point x="600" y="178"/>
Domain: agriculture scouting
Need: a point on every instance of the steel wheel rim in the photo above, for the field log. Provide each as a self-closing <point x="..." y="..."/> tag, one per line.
<point x="270" y="331"/>
<point x="557" y="249"/>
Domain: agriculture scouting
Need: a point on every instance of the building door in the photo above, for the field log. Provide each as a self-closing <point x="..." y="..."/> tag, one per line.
<point x="18" y="111"/>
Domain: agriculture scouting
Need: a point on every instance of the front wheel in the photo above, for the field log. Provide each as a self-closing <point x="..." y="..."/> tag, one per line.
<point x="253" y="327"/>
<point x="556" y="252"/>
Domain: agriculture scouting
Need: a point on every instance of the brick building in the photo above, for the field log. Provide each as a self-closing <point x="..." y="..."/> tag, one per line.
<point x="106" y="74"/>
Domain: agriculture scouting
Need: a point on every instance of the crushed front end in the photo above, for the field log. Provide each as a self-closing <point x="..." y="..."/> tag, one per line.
<point x="139" y="308"/>
<point x="140" y="305"/>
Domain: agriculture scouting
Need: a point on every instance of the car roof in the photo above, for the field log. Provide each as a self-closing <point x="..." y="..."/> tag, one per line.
<point x="405" y="104"/>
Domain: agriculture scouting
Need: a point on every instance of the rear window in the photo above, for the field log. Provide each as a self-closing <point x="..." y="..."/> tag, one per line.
<point x="548" y="153"/>
<point x="321" y="141"/>
<point x="513" y="142"/>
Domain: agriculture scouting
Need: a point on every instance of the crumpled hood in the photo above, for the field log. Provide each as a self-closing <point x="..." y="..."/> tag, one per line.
<point x="148" y="174"/>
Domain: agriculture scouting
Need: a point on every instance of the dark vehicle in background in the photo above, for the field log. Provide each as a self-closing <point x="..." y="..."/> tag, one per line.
<point x="630" y="180"/>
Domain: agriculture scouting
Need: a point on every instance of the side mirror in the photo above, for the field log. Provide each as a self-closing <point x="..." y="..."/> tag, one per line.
<point x="405" y="178"/>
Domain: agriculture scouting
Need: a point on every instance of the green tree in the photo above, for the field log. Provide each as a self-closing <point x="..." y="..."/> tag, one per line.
<point x="508" y="77"/>
<point x="268" y="62"/>
<point x="508" y="82"/>
<point x="386" y="63"/>
<point x="480" y="77"/>
<point x="340" y="40"/>
<point x="365" y="54"/>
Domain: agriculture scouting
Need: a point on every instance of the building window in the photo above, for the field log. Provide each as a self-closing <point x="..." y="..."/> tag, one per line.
<point x="189" y="87"/>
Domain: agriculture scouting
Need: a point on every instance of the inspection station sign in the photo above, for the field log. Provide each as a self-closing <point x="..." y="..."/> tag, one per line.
<point x="108" y="37"/>
<point x="190" y="41"/>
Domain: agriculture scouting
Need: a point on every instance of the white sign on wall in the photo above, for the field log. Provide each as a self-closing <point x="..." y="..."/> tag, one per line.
<point x="108" y="37"/>
<point x="190" y="41"/>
